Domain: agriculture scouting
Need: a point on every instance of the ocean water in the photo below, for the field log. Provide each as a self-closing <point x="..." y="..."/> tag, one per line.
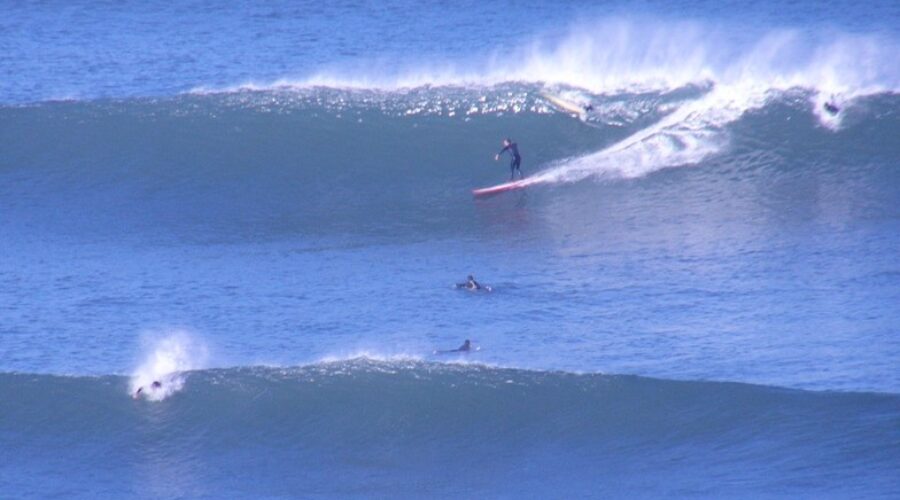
<point x="265" y="206"/>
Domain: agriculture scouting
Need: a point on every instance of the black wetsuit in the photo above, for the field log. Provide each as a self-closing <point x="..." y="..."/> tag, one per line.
<point x="515" y="160"/>
<point x="470" y="284"/>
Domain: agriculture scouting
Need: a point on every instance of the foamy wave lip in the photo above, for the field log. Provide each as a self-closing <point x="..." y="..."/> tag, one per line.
<point x="367" y="355"/>
<point x="169" y="356"/>
<point x="614" y="55"/>
<point x="696" y="129"/>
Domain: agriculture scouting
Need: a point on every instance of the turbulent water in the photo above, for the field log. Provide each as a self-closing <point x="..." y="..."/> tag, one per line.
<point x="266" y="210"/>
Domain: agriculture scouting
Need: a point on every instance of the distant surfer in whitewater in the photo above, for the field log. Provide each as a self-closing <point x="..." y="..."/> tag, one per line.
<point x="153" y="387"/>
<point x="515" y="158"/>
<point x="831" y="106"/>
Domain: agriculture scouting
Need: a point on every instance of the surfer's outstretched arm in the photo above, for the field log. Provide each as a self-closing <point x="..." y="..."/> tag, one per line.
<point x="508" y="145"/>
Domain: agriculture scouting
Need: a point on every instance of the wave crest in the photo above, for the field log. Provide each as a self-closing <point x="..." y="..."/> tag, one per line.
<point x="611" y="55"/>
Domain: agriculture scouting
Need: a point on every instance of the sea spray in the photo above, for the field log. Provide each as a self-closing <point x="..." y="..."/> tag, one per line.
<point x="687" y="135"/>
<point x="166" y="360"/>
<point x="611" y="55"/>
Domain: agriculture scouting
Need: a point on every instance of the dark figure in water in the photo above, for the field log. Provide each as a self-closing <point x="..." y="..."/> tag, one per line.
<point x="470" y="284"/>
<point x="466" y="347"/>
<point x="515" y="159"/>
<point x="588" y="107"/>
<point x="473" y="286"/>
<point x="832" y="108"/>
<point x="154" y="386"/>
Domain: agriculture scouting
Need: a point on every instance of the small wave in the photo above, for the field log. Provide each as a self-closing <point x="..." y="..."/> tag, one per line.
<point x="369" y="409"/>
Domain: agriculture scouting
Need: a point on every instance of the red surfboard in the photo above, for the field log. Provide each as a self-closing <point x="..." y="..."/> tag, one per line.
<point x="502" y="188"/>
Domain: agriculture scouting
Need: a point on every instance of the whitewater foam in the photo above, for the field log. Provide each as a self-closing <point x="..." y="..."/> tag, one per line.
<point x="685" y="136"/>
<point x="615" y="55"/>
<point x="368" y="355"/>
<point x="168" y="357"/>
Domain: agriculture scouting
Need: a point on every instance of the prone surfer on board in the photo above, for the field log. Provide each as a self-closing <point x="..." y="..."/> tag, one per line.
<point x="466" y="347"/>
<point x="515" y="158"/>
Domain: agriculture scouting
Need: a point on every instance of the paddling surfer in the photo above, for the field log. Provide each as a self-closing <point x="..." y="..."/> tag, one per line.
<point x="466" y="347"/>
<point x="515" y="158"/>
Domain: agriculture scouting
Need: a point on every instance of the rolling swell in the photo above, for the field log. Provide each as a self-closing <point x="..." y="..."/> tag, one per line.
<point x="257" y="213"/>
<point x="258" y="165"/>
<point x="474" y="423"/>
<point x="279" y="182"/>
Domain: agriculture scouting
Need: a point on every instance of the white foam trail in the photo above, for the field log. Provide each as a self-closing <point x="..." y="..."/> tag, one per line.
<point x="169" y="356"/>
<point x="686" y="136"/>
<point x="696" y="129"/>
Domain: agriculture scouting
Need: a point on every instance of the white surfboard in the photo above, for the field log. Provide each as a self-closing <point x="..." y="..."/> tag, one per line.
<point x="502" y="188"/>
<point x="563" y="104"/>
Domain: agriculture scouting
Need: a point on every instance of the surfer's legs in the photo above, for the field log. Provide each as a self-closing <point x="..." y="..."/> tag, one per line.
<point x="513" y="166"/>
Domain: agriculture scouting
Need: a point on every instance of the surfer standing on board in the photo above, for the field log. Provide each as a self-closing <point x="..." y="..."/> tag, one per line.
<point x="515" y="161"/>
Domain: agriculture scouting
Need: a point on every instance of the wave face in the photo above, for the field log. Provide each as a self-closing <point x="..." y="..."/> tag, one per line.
<point x="276" y="161"/>
<point x="406" y="428"/>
